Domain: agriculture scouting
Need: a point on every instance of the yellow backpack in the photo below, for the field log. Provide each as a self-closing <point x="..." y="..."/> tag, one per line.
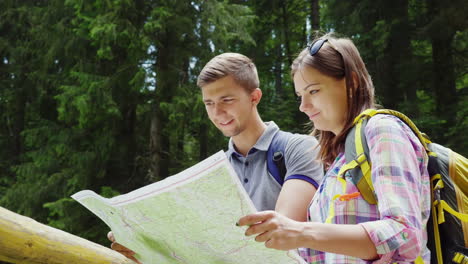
<point x="447" y="233"/>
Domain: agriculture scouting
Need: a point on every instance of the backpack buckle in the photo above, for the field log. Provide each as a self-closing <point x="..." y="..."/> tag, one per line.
<point x="437" y="194"/>
<point x="360" y="159"/>
<point x="436" y="190"/>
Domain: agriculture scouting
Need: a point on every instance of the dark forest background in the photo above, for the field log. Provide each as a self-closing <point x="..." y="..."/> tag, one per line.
<point x="102" y="94"/>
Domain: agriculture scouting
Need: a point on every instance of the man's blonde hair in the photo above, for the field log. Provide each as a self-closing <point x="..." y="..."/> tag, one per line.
<point x="240" y="67"/>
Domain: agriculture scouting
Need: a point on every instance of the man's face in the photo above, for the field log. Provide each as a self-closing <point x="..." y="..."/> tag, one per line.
<point x="229" y="106"/>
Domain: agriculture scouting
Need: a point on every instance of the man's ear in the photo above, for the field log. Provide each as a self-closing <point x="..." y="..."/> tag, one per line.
<point x="256" y="96"/>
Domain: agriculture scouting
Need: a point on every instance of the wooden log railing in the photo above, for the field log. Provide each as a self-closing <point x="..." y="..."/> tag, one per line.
<point x="23" y="240"/>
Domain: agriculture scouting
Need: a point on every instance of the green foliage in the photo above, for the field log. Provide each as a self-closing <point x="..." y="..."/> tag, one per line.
<point x="457" y="137"/>
<point x="223" y="25"/>
<point x="58" y="215"/>
<point x="64" y="214"/>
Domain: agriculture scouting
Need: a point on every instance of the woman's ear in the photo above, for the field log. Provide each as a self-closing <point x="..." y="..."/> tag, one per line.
<point x="256" y="96"/>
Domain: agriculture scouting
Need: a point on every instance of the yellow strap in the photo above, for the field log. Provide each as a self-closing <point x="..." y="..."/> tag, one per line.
<point x="358" y="140"/>
<point x="348" y="166"/>
<point x="438" y="246"/>
<point x="343" y="184"/>
<point x="419" y="260"/>
<point x="331" y="209"/>
<point x="439" y="185"/>
<point x="364" y="114"/>
<point x="436" y="177"/>
<point x="458" y="178"/>
<point x="440" y="212"/>
<point x="362" y="159"/>
<point x="424" y="140"/>
<point x="443" y="205"/>
<point x="364" y="165"/>
<point x="459" y="258"/>
<point x="371" y="112"/>
<point x="366" y="173"/>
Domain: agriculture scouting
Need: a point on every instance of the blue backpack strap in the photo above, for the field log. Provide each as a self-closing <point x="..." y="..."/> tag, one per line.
<point x="275" y="156"/>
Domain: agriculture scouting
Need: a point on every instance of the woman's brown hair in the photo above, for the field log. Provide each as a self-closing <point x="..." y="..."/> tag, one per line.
<point x="339" y="58"/>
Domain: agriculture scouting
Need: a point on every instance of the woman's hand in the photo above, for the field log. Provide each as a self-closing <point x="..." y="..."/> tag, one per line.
<point x="276" y="230"/>
<point x="121" y="249"/>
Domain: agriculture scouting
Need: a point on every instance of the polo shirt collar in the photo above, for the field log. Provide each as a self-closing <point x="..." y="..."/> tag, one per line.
<point x="262" y="143"/>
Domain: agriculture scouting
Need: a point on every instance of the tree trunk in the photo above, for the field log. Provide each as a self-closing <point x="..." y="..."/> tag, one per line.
<point x="18" y="120"/>
<point x="314" y="15"/>
<point x="441" y="34"/>
<point x="168" y="64"/>
<point x="128" y="150"/>
<point x="155" y="145"/>
<point x="278" y="70"/>
<point x="397" y="88"/>
<point x="444" y="77"/>
<point x="285" y="29"/>
<point x="26" y="241"/>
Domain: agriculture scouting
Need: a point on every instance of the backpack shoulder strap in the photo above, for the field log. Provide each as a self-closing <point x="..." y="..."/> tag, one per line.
<point x="275" y="156"/>
<point x="357" y="151"/>
<point x="358" y="160"/>
<point x="423" y="138"/>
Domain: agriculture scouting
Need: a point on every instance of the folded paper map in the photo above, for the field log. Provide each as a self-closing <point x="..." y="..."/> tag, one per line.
<point x="186" y="218"/>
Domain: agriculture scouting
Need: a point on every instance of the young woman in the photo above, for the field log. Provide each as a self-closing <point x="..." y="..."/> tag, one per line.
<point x="334" y="86"/>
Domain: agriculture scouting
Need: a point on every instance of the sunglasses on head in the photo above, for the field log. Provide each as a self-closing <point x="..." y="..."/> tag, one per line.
<point x="316" y="46"/>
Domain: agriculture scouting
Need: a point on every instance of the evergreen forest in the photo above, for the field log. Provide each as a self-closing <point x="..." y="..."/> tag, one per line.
<point x="102" y="94"/>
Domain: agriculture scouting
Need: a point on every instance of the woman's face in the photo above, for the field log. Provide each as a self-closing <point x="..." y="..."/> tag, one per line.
<point x="323" y="99"/>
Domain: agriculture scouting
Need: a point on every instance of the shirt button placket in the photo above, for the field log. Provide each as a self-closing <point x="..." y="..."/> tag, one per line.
<point x="246" y="164"/>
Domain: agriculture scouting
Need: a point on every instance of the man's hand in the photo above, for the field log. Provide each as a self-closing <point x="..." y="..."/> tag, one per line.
<point x="121" y="249"/>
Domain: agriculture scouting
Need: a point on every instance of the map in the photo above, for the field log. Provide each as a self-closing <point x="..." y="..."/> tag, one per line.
<point x="186" y="218"/>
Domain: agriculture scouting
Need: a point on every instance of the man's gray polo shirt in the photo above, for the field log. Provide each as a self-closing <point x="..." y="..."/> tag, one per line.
<point x="300" y="159"/>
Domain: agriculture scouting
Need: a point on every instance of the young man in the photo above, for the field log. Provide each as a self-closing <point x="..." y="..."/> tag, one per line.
<point x="230" y="88"/>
